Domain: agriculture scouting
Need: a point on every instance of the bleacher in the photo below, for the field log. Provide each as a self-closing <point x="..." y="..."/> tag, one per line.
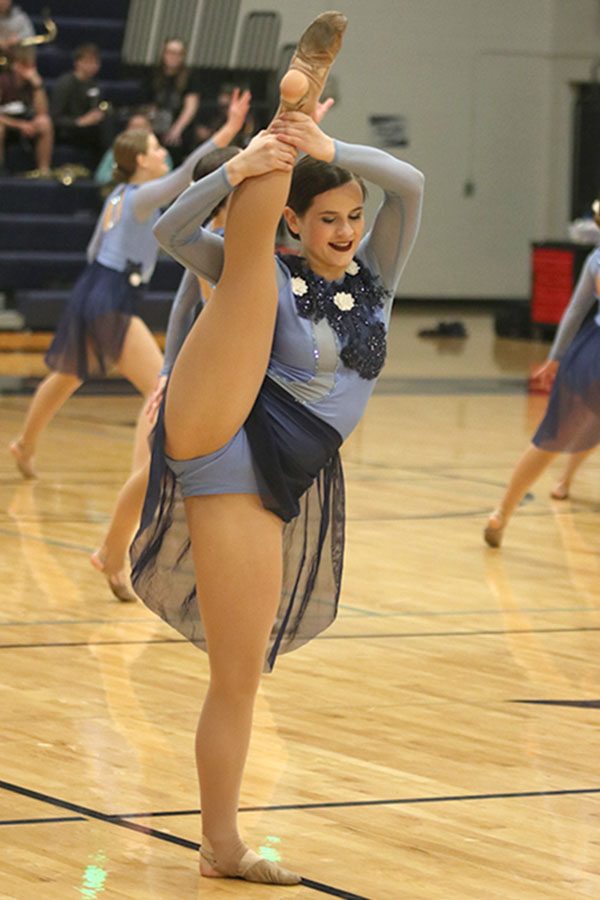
<point x="45" y="225"/>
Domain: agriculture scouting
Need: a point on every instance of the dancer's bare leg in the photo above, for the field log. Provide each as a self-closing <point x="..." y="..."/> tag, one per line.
<point x="50" y="396"/>
<point x="528" y="469"/>
<point x="140" y="363"/>
<point x="231" y="534"/>
<point x="111" y="557"/>
<point x="561" y="489"/>
<point x="224" y="358"/>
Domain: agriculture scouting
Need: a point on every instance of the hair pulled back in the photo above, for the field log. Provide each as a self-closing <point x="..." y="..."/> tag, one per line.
<point x="312" y="177"/>
<point x="127" y="147"/>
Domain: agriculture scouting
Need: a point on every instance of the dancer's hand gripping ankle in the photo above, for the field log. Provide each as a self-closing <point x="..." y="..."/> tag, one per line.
<point x="266" y="152"/>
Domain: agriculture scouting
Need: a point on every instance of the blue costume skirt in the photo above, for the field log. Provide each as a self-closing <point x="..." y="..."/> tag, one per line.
<point x="297" y="472"/>
<point x="91" y="331"/>
<point x="572" y="420"/>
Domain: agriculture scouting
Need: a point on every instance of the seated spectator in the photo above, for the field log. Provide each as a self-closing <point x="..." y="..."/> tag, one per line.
<point x="14" y="25"/>
<point x="171" y="96"/>
<point x="24" y="109"/>
<point x="104" y="172"/>
<point x="213" y="116"/>
<point x="81" y="116"/>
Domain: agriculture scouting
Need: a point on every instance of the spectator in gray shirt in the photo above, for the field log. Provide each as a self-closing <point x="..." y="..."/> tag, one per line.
<point x="14" y="25"/>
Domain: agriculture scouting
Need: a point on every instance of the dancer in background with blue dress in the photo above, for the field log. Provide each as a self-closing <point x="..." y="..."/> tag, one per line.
<point x="100" y="326"/>
<point x="274" y="374"/>
<point x="571" y="423"/>
<point x="111" y="558"/>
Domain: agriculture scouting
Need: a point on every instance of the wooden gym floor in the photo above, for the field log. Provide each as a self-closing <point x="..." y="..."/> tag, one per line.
<point x="439" y="741"/>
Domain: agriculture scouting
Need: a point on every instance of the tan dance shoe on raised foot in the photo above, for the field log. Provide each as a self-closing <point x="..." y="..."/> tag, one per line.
<point x="119" y="584"/>
<point x="250" y="867"/>
<point x="23" y="460"/>
<point x="494" y="530"/>
<point x="317" y="49"/>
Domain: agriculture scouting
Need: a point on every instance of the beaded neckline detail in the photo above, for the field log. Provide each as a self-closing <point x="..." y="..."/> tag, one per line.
<point x="350" y="307"/>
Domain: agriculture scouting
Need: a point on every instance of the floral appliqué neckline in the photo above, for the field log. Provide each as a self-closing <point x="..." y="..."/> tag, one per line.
<point x="351" y="308"/>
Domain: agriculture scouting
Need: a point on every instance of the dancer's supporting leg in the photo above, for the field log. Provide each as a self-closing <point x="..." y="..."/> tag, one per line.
<point x="140" y="363"/>
<point x="232" y="533"/>
<point x="50" y="396"/>
<point x="528" y="469"/>
<point x="561" y="489"/>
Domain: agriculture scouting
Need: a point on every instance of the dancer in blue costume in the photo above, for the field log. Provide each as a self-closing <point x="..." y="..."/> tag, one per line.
<point x="272" y="377"/>
<point x="101" y="327"/>
<point x="111" y="558"/>
<point x="571" y="423"/>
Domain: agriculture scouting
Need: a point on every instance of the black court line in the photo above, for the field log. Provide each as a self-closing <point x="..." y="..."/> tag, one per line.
<point x="394" y="801"/>
<point x="88" y="813"/>
<point x="322" y="637"/>
<point x="46" y="821"/>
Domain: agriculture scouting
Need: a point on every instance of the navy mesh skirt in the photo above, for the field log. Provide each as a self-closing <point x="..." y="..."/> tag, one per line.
<point x="297" y="456"/>
<point x="91" y="332"/>
<point x="572" y="420"/>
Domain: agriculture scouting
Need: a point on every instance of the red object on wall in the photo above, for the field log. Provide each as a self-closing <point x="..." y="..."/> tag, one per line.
<point x="553" y="278"/>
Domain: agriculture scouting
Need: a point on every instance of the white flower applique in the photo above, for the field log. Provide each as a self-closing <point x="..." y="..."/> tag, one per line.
<point x="352" y="268"/>
<point x="299" y="286"/>
<point x="343" y="301"/>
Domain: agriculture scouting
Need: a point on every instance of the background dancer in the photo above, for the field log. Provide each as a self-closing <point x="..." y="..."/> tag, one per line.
<point x="100" y="326"/>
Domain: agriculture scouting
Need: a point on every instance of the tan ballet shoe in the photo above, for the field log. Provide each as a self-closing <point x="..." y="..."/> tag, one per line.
<point x="24" y="462"/>
<point x="119" y="584"/>
<point x="493" y="533"/>
<point x="315" y="53"/>
<point x="251" y="867"/>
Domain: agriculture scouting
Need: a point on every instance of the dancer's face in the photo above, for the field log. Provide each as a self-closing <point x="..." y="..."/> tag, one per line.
<point x="155" y="158"/>
<point x="331" y="228"/>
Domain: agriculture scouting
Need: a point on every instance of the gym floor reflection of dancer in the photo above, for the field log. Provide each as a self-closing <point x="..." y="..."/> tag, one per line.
<point x="571" y="423"/>
<point x="256" y="458"/>
<point x="100" y="326"/>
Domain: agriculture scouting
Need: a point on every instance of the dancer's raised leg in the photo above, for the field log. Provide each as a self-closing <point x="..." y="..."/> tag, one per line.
<point x="50" y="396"/>
<point x="224" y="359"/>
<point x="528" y="469"/>
<point x="230" y="534"/>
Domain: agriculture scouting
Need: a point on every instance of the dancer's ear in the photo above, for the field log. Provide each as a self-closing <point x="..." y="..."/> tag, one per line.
<point x="292" y="222"/>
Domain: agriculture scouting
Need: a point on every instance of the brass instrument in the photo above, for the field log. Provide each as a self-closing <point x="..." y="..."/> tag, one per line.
<point x="36" y="39"/>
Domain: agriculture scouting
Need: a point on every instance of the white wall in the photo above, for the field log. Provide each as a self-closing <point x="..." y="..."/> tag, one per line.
<point x="484" y="84"/>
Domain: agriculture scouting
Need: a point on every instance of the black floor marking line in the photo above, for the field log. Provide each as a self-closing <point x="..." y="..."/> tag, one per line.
<point x="321" y="637"/>
<point x="394" y="801"/>
<point x="50" y="820"/>
<point x="577" y="704"/>
<point x="87" y="813"/>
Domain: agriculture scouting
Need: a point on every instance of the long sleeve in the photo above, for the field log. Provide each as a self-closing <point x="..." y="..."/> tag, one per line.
<point x="179" y="230"/>
<point x="161" y="191"/>
<point x="387" y="246"/>
<point x="581" y="302"/>
<point x="181" y="318"/>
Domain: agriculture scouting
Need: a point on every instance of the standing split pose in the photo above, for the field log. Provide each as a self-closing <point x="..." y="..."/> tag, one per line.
<point x="571" y="423"/>
<point x="100" y="326"/>
<point x="273" y="376"/>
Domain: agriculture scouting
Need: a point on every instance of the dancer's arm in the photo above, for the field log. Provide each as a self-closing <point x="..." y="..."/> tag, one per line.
<point x="181" y="318"/>
<point x="580" y="303"/>
<point x="387" y="245"/>
<point x="161" y="191"/>
<point x="179" y="230"/>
